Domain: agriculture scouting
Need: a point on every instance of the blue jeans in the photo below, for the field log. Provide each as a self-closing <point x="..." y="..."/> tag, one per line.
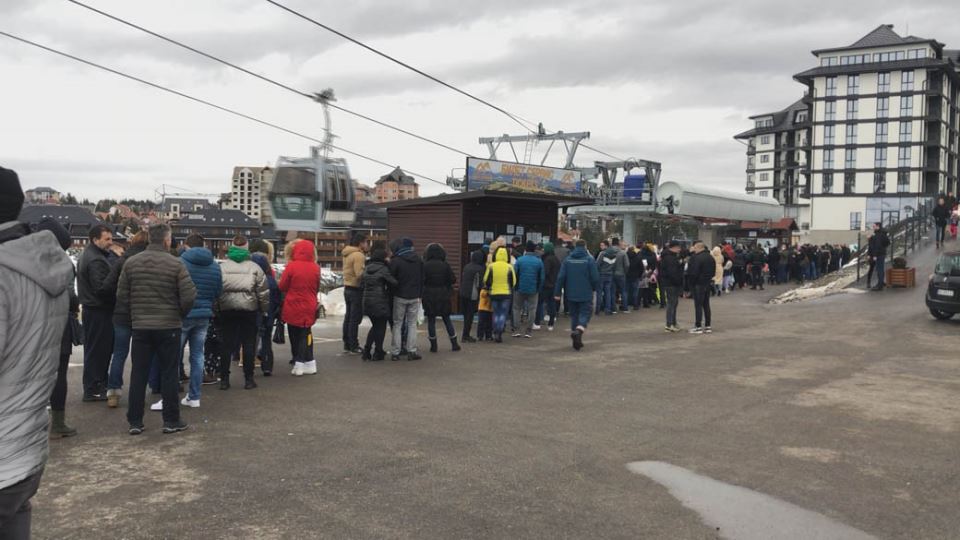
<point x="546" y="306"/>
<point x="880" y="262"/>
<point x="633" y="293"/>
<point x="501" y="309"/>
<point x="605" y="294"/>
<point x="579" y="314"/>
<point x="121" y="348"/>
<point x="620" y="286"/>
<point x="194" y="331"/>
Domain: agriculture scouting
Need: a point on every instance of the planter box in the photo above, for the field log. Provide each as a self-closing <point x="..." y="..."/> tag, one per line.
<point x="902" y="277"/>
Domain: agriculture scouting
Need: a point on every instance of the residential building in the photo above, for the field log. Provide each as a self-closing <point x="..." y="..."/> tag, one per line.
<point x="249" y="189"/>
<point x="217" y="226"/>
<point x="76" y="219"/>
<point x="363" y="193"/>
<point x="42" y="195"/>
<point x="396" y="186"/>
<point x="883" y="135"/>
<point x="175" y="207"/>
<point x="778" y="153"/>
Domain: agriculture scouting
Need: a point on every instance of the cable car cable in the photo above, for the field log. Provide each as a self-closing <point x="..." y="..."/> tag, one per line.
<point x="262" y="77"/>
<point x="208" y="103"/>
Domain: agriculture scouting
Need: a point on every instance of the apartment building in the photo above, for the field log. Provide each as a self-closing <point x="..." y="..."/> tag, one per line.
<point x="883" y="135"/>
<point x="396" y="186"/>
<point x="248" y="192"/>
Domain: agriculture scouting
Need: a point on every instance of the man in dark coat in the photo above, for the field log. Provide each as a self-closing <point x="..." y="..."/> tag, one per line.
<point x="470" y="284"/>
<point x="671" y="282"/>
<point x="407" y="268"/>
<point x="438" y="282"/>
<point x="546" y="305"/>
<point x="941" y="214"/>
<point x="702" y="269"/>
<point x="97" y="296"/>
<point x="877" y="251"/>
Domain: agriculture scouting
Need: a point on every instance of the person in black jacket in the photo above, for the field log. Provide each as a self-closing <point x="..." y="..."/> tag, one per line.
<point x="877" y="251"/>
<point x="547" y="304"/>
<point x="634" y="273"/>
<point x="407" y="268"/>
<point x="757" y="260"/>
<point x="941" y="213"/>
<point x="702" y="269"/>
<point x="98" y="297"/>
<point x="671" y="282"/>
<point x="376" y="282"/>
<point x="470" y="285"/>
<point x="438" y="282"/>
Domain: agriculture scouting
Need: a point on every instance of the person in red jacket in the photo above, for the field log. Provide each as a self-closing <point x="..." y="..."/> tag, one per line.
<point x="300" y="283"/>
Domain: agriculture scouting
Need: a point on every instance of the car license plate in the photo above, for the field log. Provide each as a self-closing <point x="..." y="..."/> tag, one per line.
<point x="945" y="292"/>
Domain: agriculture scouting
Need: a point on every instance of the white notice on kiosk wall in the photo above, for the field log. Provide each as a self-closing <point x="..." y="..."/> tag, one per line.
<point x="534" y="237"/>
<point x="474" y="237"/>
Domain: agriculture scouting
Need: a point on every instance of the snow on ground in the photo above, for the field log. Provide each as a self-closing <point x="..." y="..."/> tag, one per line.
<point x="834" y="283"/>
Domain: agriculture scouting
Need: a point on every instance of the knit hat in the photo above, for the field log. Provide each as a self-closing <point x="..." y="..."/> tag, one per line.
<point x="531" y="245"/>
<point x="547" y="247"/>
<point x="11" y="196"/>
<point x="407" y="243"/>
<point x="50" y="224"/>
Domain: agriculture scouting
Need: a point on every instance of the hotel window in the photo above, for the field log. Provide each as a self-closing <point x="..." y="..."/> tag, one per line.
<point x="765" y="139"/>
<point x="906" y="131"/>
<point x="851" y="134"/>
<point x="906" y="106"/>
<point x="906" y="81"/>
<point x="828" y="61"/>
<point x="883" y="82"/>
<point x="879" y="182"/>
<point x="853" y="106"/>
<point x="827" y="183"/>
<point x="903" y="159"/>
<point x="831" y="86"/>
<point x="764" y="177"/>
<point x="880" y="157"/>
<point x="828" y="159"/>
<point x="849" y="183"/>
<point x="883" y="107"/>
<point x="856" y="221"/>
<point x="903" y="182"/>
<point x="850" y="158"/>
<point x="830" y="111"/>
<point x="883" y="129"/>
<point x="853" y="85"/>
<point x="765" y="158"/>
<point x="764" y="193"/>
<point x="829" y="133"/>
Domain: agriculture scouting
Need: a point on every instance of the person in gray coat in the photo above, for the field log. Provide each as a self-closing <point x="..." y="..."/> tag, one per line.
<point x="35" y="278"/>
<point x="157" y="291"/>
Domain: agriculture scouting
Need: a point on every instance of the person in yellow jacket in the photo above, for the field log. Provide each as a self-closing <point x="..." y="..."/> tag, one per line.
<point x="354" y="260"/>
<point x="499" y="281"/>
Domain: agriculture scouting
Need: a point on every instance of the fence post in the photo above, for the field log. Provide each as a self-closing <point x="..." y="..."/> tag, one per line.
<point x="860" y="256"/>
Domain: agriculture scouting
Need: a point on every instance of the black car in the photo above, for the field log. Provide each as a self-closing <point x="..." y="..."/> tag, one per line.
<point x="943" y="292"/>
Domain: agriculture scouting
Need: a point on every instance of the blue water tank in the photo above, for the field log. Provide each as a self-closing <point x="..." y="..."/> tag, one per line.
<point x="634" y="186"/>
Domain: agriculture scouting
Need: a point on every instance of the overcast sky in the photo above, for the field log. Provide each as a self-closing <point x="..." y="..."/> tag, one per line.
<point x="665" y="81"/>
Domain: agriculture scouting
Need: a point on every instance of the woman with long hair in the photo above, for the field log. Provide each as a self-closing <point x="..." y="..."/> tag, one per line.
<point x="438" y="281"/>
<point x="300" y="283"/>
<point x="376" y="282"/>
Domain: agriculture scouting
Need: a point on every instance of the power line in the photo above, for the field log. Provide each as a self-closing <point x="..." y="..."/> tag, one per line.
<point x="262" y="77"/>
<point x="514" y="117"/>
<point x="207" y="103"/>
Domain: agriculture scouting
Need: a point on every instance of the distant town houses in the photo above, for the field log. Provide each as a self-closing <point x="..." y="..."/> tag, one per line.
<point x="42" y="195"/>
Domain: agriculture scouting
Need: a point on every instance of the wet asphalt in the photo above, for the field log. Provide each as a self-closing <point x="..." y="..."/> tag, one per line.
<point x="846" y="407"/>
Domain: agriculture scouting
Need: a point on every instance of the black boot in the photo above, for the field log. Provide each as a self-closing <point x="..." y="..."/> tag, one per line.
<point x="469" y="339"/>
<point x="366" y="354"/>
<point x="454" y="344"/>
<point x="433" y="344"/>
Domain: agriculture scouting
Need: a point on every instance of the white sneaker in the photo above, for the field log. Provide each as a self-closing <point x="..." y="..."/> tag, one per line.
<point x="297" y="369"/>
<point x="549" y="329"/>
<point x="158" y="406"/>
<point x="187" y="402"/>
<point x="536" y="327"/>
<point x="696" y="330"/>
<point x="310" y="368"/>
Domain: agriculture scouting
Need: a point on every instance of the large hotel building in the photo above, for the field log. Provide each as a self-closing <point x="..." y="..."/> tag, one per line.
<point x="874" y="137"/>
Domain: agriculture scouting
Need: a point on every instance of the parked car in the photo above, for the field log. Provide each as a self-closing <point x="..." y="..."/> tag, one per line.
<point x="943" y="291"/>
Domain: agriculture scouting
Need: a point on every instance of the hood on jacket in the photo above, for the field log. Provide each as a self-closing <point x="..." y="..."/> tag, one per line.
<point x="547" y="248"/>
<point x="304" y="251"/>
<point x="349" y="250"/>
<point x="502" y="255"/>
<point x="611" y="251"/>
<point x="238" y="254"/>
<point x="373" y="266"/>
<point x="262" y="262"/>
<point x="435" y="252"/>
<point x="39" y="258"/>
<point x="579" y="253"/>
<point x="478" y="257"/>
<point x="199" y="256"/>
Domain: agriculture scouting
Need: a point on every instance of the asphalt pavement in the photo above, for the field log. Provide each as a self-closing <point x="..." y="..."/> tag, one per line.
<point x="845" y="407"/>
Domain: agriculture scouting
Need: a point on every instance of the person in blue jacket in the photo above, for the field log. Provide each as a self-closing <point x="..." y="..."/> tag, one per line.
<point x="530" y="278"/>
<point x="578" y="282"/>
<point x="206" y="276"/>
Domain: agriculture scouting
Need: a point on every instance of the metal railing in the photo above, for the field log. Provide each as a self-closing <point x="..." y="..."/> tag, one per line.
<point x="907" y="235"/>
